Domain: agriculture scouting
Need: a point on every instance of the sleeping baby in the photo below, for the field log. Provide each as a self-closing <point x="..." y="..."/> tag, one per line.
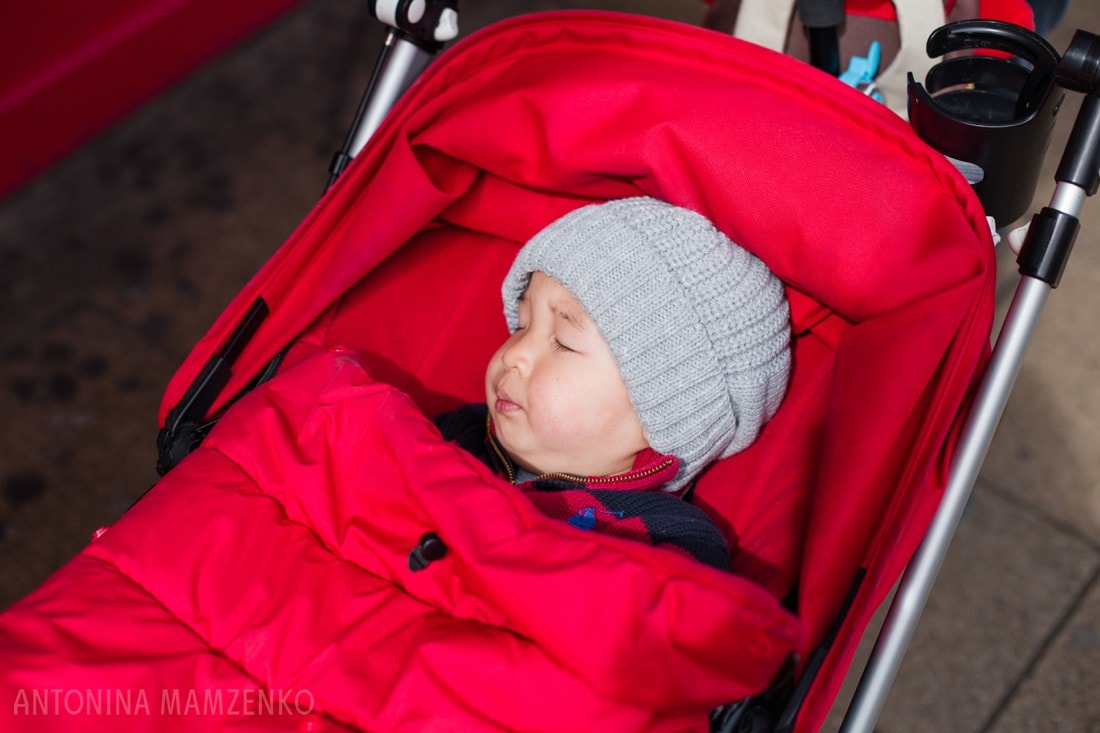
<point x="644" y="346"/>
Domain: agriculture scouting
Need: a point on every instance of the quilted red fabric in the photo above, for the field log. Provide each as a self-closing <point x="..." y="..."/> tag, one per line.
<point x="276" y="558"/>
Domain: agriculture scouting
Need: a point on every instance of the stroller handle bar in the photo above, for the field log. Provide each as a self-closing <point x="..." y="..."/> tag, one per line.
<point x="400" y="64"/>
<point x="417" y="30"/>
<point x="1042" y="260"/>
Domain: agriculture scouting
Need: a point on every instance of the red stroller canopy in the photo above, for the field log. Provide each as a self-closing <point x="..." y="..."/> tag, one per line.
<point x="884" y="248"/>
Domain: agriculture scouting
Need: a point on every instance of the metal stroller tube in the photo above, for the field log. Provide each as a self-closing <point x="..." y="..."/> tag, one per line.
<point x="1042" y="260"/>
<point x="400" y="67"/>
<point x="417" y="31"/>
<point x="916" y="584"/>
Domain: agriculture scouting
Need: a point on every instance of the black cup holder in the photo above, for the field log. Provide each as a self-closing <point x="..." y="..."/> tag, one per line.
<point x="994" y="112"/>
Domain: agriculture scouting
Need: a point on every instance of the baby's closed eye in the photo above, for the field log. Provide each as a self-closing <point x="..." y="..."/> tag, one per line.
<point x="559" y="346"/>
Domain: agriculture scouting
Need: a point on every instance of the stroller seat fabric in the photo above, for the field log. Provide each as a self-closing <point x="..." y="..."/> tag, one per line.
<point x="326" y="544"/>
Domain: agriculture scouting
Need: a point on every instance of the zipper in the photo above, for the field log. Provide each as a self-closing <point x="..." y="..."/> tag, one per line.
<point x="497" y="449"/>
<point x="622" y="477"/>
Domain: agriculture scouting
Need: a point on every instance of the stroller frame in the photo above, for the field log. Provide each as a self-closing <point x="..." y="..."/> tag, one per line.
<point x="410" y="46"/>
<point x="1043" y="257"/>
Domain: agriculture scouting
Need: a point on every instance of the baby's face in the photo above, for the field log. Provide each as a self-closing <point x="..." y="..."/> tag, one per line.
<point x="557" y="399"/>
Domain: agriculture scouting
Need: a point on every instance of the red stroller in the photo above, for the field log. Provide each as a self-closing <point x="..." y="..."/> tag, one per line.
<point x="271" y="564"/>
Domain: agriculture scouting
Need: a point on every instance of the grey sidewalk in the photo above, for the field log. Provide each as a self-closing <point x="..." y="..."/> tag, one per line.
<point x="116" y="261"/>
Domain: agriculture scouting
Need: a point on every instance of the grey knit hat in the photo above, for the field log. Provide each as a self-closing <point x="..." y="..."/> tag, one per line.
<point x="700" y="327"/>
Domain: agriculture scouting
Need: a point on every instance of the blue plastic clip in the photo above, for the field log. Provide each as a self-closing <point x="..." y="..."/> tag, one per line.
<point x="861" y="72"/>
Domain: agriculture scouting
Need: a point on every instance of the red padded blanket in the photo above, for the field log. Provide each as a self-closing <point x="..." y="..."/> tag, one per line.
<point x="275" y="559"/>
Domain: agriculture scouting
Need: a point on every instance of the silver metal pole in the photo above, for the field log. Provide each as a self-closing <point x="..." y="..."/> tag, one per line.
<point x="918" y="579"/>
<point x="403" y="65"/>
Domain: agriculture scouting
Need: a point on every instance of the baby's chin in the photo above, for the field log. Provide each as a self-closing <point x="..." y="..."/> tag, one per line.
<point x="572" y="468"/>
<point x="520" y="458"/>
<point x="532" y="464"/>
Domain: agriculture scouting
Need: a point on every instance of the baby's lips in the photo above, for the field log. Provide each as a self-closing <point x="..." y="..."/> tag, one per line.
<point x="506" y="406"/>
<point x="505" y="403"/>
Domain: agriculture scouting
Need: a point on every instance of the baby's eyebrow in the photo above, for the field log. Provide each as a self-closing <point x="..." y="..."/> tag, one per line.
<point x="571" y="317"/>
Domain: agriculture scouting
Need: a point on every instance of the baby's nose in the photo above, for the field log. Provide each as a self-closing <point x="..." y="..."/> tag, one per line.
<point x="514" y="354"/>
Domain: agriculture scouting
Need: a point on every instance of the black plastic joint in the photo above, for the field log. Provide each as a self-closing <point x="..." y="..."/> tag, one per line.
<point x="1048" y="245"/>
<point x="415" y="20"/>
<point x="1079" y="161"/>
<point x="173" y="445"/>
<point x="339" y="162"/>
<point x="181" y="432"/>
<point x="1079" y="68"/>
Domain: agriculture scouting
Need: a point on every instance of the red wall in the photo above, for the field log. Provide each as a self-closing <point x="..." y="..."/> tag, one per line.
<point x="68" y="69"/>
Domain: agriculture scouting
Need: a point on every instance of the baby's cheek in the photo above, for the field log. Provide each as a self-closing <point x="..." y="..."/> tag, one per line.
<point x="552" y="415"/>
